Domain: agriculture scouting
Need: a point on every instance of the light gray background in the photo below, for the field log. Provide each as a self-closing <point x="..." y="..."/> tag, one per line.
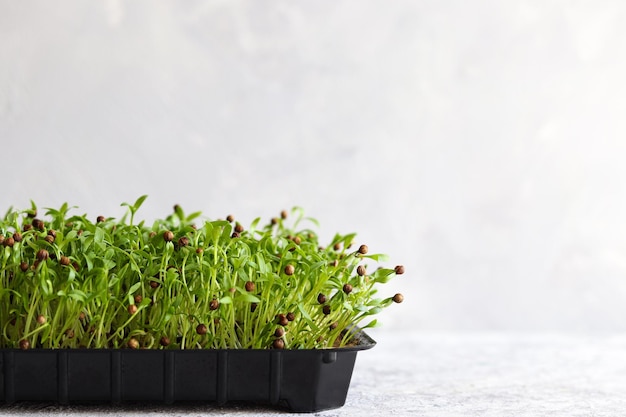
<point x="479" y="143"/>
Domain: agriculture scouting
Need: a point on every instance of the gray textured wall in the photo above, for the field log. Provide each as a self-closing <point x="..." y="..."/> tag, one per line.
<point x="479" y="143"/>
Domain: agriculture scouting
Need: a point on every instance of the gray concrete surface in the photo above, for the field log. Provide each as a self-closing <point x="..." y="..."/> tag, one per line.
<point x="437" y="375"/>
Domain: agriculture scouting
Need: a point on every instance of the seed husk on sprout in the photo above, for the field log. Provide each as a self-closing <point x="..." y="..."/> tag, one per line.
<point x="42" y="255"/>
<point x="214" y="304"/>
<point x="133" y="343"/>
<point x="361" y="270"/>
<point x="278" y="344"/>
<point x="65" y="261"/>
<point x="132" y="309"/>
<point x="168" y="235"/>
<point x="399" y="269"/>
<point x="289" y="270"/>
<point x="347" y="288"/>
<point x="250" y="286"/>
<point x="24" y="344"/>
<point x="321" y="298"/>
<point x="38" y="224"/>
<point x="9" y="242"/>
<point x="282" y="320"/>
<point x="201" y="329"/>
<point x="363" y="249"/>
<point x="41" y="319"/>
<point x="398" y="298"/>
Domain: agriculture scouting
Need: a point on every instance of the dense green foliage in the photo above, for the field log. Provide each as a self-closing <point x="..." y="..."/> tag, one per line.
<point x="68" y="282"/>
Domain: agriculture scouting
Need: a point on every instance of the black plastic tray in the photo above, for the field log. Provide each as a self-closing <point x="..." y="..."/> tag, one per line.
<point x="302" y="380"/>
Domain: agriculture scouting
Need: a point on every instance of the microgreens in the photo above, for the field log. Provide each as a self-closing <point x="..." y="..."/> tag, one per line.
<point x="68" y="282"/>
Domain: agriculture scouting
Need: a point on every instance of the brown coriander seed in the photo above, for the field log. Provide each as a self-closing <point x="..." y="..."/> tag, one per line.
<point x="17" y="236"/>
<point x="278" y="344"/>
<point x="154" y="285"/>
<point x="238" y="228"/>
<point x="165" y="341"/>
<point x="9" y="242"/>
<point x="337" y="246"/>
<point x="132" y="309"/>
<point x="234" y="235"/>
<point x="230" y="218"/>
<point x="214" y="304"/>
<point x="398" y="298"/>
<point x="133" y="343"/>
<point x="152" y="234"/>
<point x="199" y="251"/>
<point x="289" y="270"/>
<point x="27" y="227"/>
<point x="333" y="326"/>
<point x="168" y="235"/>
<point x="38" y="224"/>
<point x="183" y="241"/>
<point x="250" y="286"/>
<point x="201" y="329"/>
<point x="41" y="319"/>
<point x="279" y="332"/>
<point x="42" y="255"/>
<point x="100" y="219"/>
<point x="49" y="239"/>
<point x="253" y="307"/>
<point x="399" y="269"/>
<point x="321" y="298"/>
<point x="65" y="261"/>
<point x="291" y="316"/>
<point x="347" y="288"/>
<point x="283" y="214"/>
<point x="2" y="238"/>
<point x="274" y="221"/>
<point x="81" y="316"/>
<point x="360" y="270"/>
<point x="363" y="249"/>
<point x="52" y="232"/>
<point x="69" y="333"/>
<point x="326" y="309"/>
<point x="282" y="320"/>
<point x="24" y="344"/>
<point x="76" y="266"/>
<point x="138" y="299"/>
<point x="297" y="240"/>
<point x="24" y="266"/>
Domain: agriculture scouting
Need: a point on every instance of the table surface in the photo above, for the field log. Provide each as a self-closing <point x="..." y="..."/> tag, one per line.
<point x="449" y="375"/>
